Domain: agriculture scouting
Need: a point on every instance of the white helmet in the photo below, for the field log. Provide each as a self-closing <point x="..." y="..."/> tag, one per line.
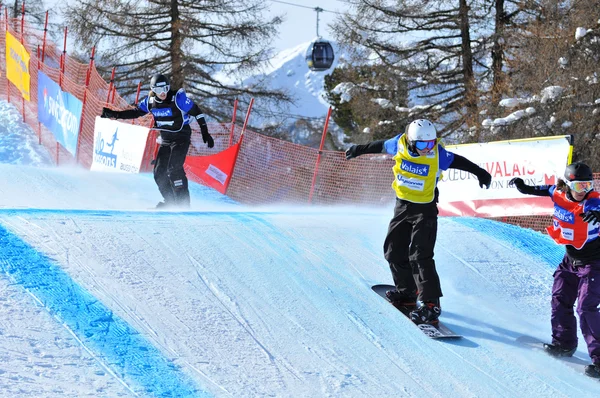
<point x="421" y="130"/>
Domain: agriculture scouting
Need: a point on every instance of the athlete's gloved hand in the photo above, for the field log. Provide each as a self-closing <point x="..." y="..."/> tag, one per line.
<point x="108" y="113"/>
<point x="485" y="178"/>
<point x="516" y="182"/>
<point x="208" y="140"/>
<point x="591" y="216"/>
<point x="351" y="152"/>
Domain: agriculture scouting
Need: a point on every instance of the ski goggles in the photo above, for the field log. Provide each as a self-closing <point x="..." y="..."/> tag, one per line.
<point x="580" y="186"/>
<point x="425" y="145"/>
<point x="161" y="89"/>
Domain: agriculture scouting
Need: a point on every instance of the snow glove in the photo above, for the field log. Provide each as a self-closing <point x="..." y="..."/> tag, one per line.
<point x="371" y="147"/>
<point x="208" y="140"/>
<point x="485" y="178"/>
<point x="517" y="182"/>
<point x="351" y="152"/>
<point x="206" y="137"/>
<point x="591" y="216"/>
<point x="108" y="113"/>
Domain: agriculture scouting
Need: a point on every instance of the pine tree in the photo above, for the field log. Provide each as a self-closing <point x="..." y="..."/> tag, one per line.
<point x="437" y="64"/>
<point x="451" y="55"/>
<point x="191" y="41"/>
<point x="34" y="13"/>
<point x="364" y="99"/>
<point x="555" y="77"/>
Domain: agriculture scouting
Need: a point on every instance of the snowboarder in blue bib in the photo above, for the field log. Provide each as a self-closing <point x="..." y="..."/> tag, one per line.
<point x="173" y="112"/>
<point x="409" y="245"/>
<point x="575" y="225"/>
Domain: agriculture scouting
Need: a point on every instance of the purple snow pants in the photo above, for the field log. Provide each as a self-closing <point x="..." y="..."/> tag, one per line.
<point x="581" y="284"/>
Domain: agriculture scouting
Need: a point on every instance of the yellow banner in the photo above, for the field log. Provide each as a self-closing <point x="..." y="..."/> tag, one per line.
<point x="17" y="65"/>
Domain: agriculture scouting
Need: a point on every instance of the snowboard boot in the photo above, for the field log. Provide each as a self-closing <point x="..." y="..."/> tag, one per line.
<point x="593" y="370"/>
<point x="557" y="351"/>
<point x="401" y="300"/>
<point x="427" y="312"/>
<point x="182" y="197"/>
<point x="164" y="205"/>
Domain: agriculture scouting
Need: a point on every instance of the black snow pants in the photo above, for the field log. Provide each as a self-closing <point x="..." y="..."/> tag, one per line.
<point x="169" y="173"/>
<point x="409" y="247"/>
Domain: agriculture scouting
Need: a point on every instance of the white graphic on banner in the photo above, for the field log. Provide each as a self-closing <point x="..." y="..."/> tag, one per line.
<point x="118" y="147"/>
<point x="66" y="119"/>
<point x="217" y="174"/>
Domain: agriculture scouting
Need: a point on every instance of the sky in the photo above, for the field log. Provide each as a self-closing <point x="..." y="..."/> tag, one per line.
<point x="300" y="20"/>
<point x="300" y="23"/>
<point x="102" y="297"/>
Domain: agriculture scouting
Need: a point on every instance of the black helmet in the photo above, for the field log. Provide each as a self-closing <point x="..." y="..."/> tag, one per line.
<point x="158" y="80"/>
<point x="578" y="172"/>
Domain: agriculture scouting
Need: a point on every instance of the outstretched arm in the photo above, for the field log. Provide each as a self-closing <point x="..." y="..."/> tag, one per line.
<point x="126" y="114"/>
<point x="140" y="110"/>
<point x="371" y="147"/>
<point x="389" y="146"/>
<point x="535" y="190"/>
<point x="462" y="163"/>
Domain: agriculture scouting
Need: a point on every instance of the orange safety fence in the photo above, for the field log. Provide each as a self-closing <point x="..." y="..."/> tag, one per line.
<point x="268" y="170"/>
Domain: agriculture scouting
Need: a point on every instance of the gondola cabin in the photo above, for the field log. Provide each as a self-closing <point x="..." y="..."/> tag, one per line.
<point x="319" y="55"/>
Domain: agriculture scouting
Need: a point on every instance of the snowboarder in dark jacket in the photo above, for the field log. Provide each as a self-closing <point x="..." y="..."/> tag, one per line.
<point x="420" y="159"/>
<point x="575" y="224"/>
<point x="172" y="111"/>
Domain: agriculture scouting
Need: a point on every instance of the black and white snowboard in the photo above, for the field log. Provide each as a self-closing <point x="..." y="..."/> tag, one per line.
<point x="439" y="331"/>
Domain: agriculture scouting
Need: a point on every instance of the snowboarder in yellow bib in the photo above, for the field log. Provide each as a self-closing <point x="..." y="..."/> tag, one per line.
<point x="409" y="245"/>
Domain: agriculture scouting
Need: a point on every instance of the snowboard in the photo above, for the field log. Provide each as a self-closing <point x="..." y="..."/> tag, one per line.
<point x="573" y="362"/>
<point x="439" y="331"/>
<point x="538" y="345"/>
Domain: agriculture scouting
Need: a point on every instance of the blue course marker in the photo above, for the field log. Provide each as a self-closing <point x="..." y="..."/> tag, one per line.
<point x="126" y="353"/>
<point x="532" y="242"/>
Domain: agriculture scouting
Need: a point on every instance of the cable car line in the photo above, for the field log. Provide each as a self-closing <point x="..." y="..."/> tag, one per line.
<point x="312" y="8"/>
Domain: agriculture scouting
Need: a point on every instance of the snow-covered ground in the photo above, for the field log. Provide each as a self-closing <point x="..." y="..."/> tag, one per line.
<point x="101" y="297"/>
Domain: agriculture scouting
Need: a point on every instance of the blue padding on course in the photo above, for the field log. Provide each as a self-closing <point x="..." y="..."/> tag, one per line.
<point x="529" y="241"/>
<point x="128" y="354"/>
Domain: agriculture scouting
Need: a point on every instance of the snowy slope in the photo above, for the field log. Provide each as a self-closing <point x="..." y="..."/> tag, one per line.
<point x="18" y="144"/>
<point x="101" y="297"/>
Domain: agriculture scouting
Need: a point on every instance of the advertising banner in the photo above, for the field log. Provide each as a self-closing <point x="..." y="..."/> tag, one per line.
<point x="60" y="112"/>
<point x="537" y="161"/>
<point x="118" y="147"/>
<point x="17" y="65"/>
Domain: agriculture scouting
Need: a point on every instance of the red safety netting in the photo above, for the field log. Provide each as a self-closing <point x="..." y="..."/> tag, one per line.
<point x="268" y="170"/>
<point x="79" y="79"/>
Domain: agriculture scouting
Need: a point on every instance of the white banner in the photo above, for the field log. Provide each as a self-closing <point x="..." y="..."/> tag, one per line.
<point x="118" y="147"/>
<point x="536" y="161"/>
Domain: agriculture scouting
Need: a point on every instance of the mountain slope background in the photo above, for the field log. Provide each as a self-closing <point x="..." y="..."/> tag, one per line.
<point x="301" y="122"/>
